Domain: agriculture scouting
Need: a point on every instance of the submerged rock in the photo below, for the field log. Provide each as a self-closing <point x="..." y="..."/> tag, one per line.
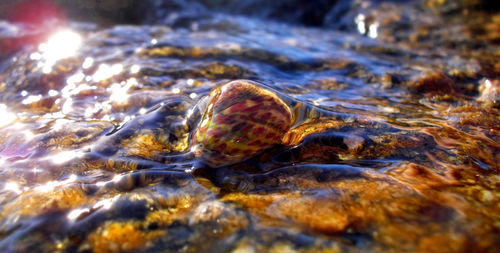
<point x="385" y="133"/>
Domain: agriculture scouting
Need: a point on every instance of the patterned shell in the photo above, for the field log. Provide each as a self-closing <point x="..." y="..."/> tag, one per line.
<point x="241" y="120"/>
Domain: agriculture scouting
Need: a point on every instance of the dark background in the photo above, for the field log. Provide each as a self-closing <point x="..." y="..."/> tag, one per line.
<point x="305" y="12"/>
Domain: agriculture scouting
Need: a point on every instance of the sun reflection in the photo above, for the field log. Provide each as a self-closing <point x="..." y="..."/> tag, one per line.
<point x="73" y="215"/>
<point x="195" y="148"/>
<point x="60" y="123"/>
<point x="47" y="186"/>
<point x="7" y="117"/>
<point x="372" y="30"/>
<point x="35" y="56"/>
<point x="90" y="111"/>
<point x="116" y="69"/>
<point x="119" y="91"/>
<point x="67" y="106"/>
<point x="76" y="78"/>
<point x="31" y="99"/>
<point x="98" y="107"/>
<point x="105" y="71"/>
<point x="88" y="62"/>
<point x="101" y="183"/>
<point x="51" y="185"/>
<point x="108" y="118"/>
<point x="135" y="69"/>
<point x="102" y="204"/>
<point x="106" y="203"/>
<point x="360" y="23"/>
<point x="487" y="83"/>
<point x="61" y="45"/>
<point x="74" y="86"/>
<point x="190" y="170"/>
<point x="54" y="115"/>
<point x="189" y="112"/>
<point x="117" y="178"/>
<point x="365" y="29"/>
<point x="132" y="81"/>
<point x="28" y="135"/>
<point x="53" y="93"/>
<point x="65" y="156"/>
<point x="13" y="187"/>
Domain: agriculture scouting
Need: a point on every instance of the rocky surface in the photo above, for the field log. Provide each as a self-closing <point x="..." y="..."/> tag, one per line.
<point x="95" y="147"/>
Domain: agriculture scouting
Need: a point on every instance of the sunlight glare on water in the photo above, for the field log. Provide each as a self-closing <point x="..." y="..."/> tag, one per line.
<point x="106" y="203"/>
<point x="65" y="156"/>
<point x="106" y="71"/>
<point x="135" y="69"/>
<point x="62" y="44"/>
<point x="51" y="185"/>
<point x="88" y="62"/>
<point x="31" y="99"/>
<point x="119" y="92"/>
<point x="13" y="187"/>
<point x="102" y="204"/>
<point x="372" y="30"/>
<point x="73" y="215"/>
<point x="7" y="116"/>
<point x="360" y="23"/>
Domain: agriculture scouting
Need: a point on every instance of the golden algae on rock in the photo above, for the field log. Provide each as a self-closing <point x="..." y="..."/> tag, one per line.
<point x="147" y="145"/>
<point x="116" y="236"/>
<point x="46" y="198"/>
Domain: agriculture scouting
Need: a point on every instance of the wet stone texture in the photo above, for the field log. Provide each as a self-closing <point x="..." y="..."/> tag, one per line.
<point x="393" y="143"/>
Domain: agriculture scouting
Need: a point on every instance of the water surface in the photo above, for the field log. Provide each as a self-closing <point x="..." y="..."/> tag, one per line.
<point x="95" y="155"/>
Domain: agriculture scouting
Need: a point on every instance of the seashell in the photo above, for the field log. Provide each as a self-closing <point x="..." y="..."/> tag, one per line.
<point x="240" y="120"/>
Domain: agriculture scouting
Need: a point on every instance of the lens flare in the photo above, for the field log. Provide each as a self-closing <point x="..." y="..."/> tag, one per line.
<point x="61" y="45"/>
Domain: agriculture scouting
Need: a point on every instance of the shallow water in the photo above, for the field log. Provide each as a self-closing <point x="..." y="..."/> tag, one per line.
<point x="95" y="150"/>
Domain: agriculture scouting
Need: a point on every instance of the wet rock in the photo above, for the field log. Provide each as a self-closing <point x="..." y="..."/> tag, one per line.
<point x="218" y="218"/>
<point x="400" y="152"/>
<point x="314" y="212"/>
<point x="432" y="83"/>
<point x="119" y="237"/>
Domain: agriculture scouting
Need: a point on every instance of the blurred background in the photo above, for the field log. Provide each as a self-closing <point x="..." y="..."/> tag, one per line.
<point x="332" y="13"/>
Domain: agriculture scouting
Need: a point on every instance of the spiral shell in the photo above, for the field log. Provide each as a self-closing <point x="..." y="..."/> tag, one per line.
<point x="240" y="120"/>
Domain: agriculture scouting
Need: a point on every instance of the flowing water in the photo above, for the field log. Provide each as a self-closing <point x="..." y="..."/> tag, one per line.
<point x="96" y="156"/>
